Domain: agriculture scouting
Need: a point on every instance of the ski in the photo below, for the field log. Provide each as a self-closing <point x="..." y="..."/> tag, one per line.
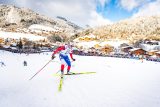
<point x="60" y="83"/>
<point x="76" y="73"/>
<point x="72" y="73"/>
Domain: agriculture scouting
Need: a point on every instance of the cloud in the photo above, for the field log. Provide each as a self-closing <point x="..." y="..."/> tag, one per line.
<point x="77" y="11"/>
<point x="132" y="4"/>
<point x="103" y="2"/>
<point x="98" y="20"/>
<point x="150" y="9"/>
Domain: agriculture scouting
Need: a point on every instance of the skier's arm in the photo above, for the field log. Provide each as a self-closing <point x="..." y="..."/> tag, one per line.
<point x="71" y="55"/>
<point x="57" y="50"/>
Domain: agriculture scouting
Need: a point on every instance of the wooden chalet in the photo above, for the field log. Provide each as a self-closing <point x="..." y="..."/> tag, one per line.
<point x="126" y="49"/>
<point x="97" y="46"/>
<point x="157" y="54"/>
<point x="137" y="51"/>
<point x="107" y="49"/>
<point x="153" y="52"/>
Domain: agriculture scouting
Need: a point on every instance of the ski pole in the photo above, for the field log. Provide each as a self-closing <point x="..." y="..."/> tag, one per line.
<point x="40" y="69"/>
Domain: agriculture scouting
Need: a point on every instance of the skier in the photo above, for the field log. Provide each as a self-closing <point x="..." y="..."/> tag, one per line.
<point x="141" y="57"/>
<point x="25" y="63"/>
<point x="2" y="64"/>
<point x="64" y="52"/>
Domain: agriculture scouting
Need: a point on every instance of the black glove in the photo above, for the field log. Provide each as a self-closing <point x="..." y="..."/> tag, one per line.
<point x="52" y="57"/>
<point x="74" y="59"/>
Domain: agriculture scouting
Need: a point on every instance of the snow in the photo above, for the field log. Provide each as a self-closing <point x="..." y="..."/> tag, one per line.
<point x="20" y="35"/>
<point x="114" y="43"/>
<point x="126" y="47"/>
<point x="117" y="82"/>
<point x="90" y="44"/>
<point x="86" y="36"/>
<point x="87" y="45"/>
<point x="13" y="16"/>
<point x="148" y="47"/>
<point x="158" y="52"/>
<point x="89" y="36"/>
<point x="134" y="49"/>
<point x="41" y="27"/>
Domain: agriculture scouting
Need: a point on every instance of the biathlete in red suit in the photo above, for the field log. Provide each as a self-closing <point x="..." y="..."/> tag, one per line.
<point x="64" y="52"/>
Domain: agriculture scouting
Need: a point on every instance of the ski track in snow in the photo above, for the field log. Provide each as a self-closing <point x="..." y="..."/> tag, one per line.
<point x="117" y="83"/>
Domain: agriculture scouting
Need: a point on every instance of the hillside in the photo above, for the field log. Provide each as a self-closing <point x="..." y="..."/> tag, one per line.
<point x="133" y="29"/>
<point x="12" y="17"/>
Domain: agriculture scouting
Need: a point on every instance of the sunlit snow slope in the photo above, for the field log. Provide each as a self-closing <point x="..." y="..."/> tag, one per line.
<point x="117" y="83"/>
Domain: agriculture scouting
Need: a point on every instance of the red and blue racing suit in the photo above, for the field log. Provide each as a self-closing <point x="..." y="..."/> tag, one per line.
<point x="64" y="51"/>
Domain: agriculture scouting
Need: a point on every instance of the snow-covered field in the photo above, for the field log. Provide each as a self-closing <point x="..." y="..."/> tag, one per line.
<point x="117" y="83"/>
<point x="20" y="35"/>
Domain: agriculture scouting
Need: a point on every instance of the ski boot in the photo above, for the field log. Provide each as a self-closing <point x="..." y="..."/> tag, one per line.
<point x="62" y="73"/>
<point x="69" y="73"/>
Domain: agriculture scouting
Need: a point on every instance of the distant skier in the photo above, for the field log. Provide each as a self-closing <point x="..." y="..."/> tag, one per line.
<point x="141" y="57"/>
<point x="64" y="52"/>
<point x="2" y="64"/>
<point x="25" y="63"/>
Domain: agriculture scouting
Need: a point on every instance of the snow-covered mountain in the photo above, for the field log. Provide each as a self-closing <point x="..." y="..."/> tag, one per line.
<point x="15" y="17"/>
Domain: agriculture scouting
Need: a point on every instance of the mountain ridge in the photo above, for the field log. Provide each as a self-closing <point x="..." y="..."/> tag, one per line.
<point x="133" y="29"/>
<point x="12" y="16"/>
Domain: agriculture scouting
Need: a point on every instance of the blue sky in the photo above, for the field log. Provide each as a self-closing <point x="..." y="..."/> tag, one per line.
<point x="116" y="10"/>
<point x="91" y="12"/>
<point x="113" y="12"/>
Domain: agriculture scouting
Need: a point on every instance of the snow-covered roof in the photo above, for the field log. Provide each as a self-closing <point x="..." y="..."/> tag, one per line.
<point x="158" y="52"/>
<point x="153" y="51"/>
<point x="134" y="49"/>
<point x="6" y="46"/>
<point x="14" y="48"/>
<point x="149" y="47"/>
<point x="126" y="47"/>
